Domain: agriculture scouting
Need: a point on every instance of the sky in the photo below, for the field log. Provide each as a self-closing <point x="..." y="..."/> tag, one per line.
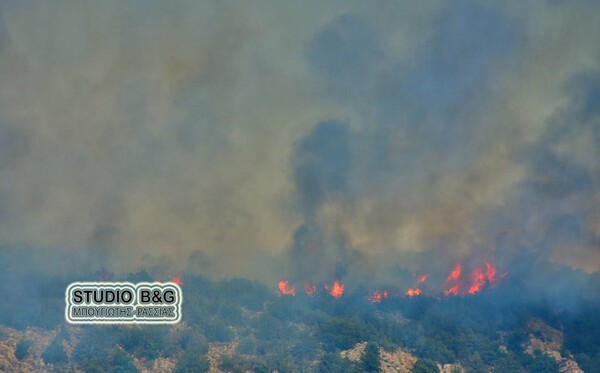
<point x="318" y="138"/>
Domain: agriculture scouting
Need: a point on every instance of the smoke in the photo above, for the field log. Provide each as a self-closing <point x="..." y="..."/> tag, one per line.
<point x="311" y="141"/>
<point x="437" y="168"/>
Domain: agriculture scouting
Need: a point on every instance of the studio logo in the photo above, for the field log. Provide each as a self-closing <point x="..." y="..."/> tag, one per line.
<point x="123" y="303"/>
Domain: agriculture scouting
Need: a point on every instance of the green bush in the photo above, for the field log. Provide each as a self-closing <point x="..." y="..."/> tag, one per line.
<point x="55" y="353"/>
<point x="122" y="362"/>
<point x="425" y="366"/>
<point x="22" y="349"/>
<point x="370" y="358"/>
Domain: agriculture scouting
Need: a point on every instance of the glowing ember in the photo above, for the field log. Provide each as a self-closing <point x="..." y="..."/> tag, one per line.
<point x="423" y="278"/>
<point x="286" y="289"/>
<point x="337" y="290"/>
<point x="413" y="292"/>
<point x="177" y="280"/>
<point x="377" y="296"/>
<point x="309" y="289"/>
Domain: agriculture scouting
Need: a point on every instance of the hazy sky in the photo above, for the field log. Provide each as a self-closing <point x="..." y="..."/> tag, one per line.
<point x="253" y="128"/>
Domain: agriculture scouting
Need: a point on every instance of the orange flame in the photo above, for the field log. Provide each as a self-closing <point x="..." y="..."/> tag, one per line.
<point x="490" y="272"/>
<point x="309" y="289"/>
<point x="477" y="281"/>
<point x="452" y="291"/>
<point x="337" y="290"/>
<point x="423" y="278"/>
<point x="452" y="280"/>
<point x="455" y="274"/>
<point x="377" y="296"/>
<point x="285" y="289"/>
<point x="480" y="276"/>
<point x="413" y="292"/>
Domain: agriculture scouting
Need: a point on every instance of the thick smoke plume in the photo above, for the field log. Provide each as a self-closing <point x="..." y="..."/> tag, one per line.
<point x="365" y="143"/>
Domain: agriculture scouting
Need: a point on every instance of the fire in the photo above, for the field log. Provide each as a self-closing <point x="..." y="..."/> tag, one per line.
<point x="481" y="276"/>
<point x="452" y="281"/>
<point x="452" y="291"/>
<point x="477" y="281"/>
<point x="455" y="274"/>
<point x="413" y="292"/>
<point x="459" y="282"/>
<point x="377" y="296"/>
<point x="337" y="290"/>
<point x="490" y="272"/>
<point x="286" y="289"/>
<point x="177" y="280"/>
<point x="309" y="289"/>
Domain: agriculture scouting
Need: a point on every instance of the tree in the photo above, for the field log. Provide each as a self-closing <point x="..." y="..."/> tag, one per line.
<point x="55" y="353"/>
<point x="122" y="362"/>
<point x="543" y="364"/>
<point x="193" y="359"/>
<point x="22" y="349"/>
<point x="333" y="363"/>
<point x="370" y="358"/>
<point x="425" y="366"/>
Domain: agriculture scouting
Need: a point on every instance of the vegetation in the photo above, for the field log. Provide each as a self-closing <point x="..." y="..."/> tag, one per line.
<point x="22" y="349"/>
<point x="481" y="333"/>
<point x="370" y="358"/>
<point x="55" y="353"/>
<point x="425" y="366"/>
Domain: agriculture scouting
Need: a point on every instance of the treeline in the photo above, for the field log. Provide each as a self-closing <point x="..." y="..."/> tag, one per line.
<point x="304" y="334"/>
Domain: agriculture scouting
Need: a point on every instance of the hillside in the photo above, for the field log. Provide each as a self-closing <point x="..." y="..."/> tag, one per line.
<point x="239" y="325"/>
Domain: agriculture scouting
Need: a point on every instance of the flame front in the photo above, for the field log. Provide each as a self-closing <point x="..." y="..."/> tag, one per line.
<point x="337" y="290"/>
<point x="459" y="282"/>
<point x="286" y="289"/>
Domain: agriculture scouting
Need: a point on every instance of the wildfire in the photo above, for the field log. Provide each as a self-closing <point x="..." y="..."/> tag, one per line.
<point x="453" y="281"/>
<point x="452" y="291"/>
<point x="337" y="290"/>
<point x="286" y="289"/>
<point x="478" y="279"/>
<point x="413" y="292"/>
<point x="481" y="276"/>
<point x="455" y="274"/>
<point x="377" y="296"/>
<point x="309" y="289"/>
<point x="490" y="272"/>
<point x="459" y="282"/>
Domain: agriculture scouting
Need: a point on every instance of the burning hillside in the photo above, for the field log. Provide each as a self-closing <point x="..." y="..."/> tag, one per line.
<point x="300" y="186"/>
<point x="241" y="325"/>
<point x="458" y="283"/>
